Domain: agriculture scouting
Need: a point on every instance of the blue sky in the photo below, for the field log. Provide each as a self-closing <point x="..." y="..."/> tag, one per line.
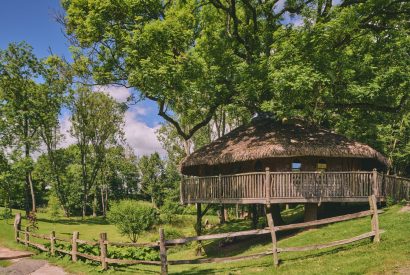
<point x="33" y="22"/>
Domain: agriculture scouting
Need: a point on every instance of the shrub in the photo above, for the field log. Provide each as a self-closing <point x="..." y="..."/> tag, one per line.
<point x="390" y="201"/>
<point x="132" y="217"/>
<point x="169" y="210"/>
<point x="7" y="214"/>
<point x="53" y="207"/>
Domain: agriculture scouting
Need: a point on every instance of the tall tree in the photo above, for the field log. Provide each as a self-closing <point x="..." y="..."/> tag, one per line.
<point x="152" y="178"/>
<point x="97" y="121"/>
<point x="19" y="93"/>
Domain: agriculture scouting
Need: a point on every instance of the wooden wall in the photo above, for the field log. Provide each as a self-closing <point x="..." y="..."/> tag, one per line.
<point x="285" y="165"/>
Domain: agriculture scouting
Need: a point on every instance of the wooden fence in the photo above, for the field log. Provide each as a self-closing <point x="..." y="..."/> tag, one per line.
<point x="162" y="243"/>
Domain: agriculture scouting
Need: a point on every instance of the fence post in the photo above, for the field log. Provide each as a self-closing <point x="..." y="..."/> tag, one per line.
<point x="273" y="235"/>
<point x="103" y="250"/>
<point x="52" y="243"/>
<point x="74" y="246"/>
<point x="374" y="218"/>
<point x="17" y="227"/>
<point x="267" y="185"/>
<point x="26" y="236"/>
<point x="375" y="184"/>
<point x="163" y="252"/>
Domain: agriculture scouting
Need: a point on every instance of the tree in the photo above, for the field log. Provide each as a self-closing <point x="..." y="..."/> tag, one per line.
<point x="132" y="218"/>
<point x="152" y="177"/>
<point x="19" y="94"/>
<point x="97" y="121"/>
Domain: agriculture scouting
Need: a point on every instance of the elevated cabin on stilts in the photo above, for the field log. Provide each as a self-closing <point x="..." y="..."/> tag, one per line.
<point x="270" y="163"/>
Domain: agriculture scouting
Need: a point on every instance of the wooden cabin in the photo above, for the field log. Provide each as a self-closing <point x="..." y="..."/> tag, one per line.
<point x="271" y="162"/>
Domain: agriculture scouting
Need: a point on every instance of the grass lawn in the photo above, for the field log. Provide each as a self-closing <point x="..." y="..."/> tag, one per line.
<point x="362" y="257"/>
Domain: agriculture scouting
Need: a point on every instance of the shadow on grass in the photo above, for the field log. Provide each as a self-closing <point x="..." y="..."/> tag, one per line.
<point x="96" y="221"/>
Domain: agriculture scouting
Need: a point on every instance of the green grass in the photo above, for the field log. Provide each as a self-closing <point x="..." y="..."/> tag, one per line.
<point x="358" y="258"/>
<point x="5" y="263"/>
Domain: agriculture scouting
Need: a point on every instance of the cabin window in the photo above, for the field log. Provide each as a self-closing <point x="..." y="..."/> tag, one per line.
<point x="321" y="165"/>
<point x="296" y="165"/>
<point x="258" y="166"/>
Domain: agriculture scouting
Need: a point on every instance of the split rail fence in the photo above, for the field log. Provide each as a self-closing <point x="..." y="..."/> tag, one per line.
<point x="103" y="243"/>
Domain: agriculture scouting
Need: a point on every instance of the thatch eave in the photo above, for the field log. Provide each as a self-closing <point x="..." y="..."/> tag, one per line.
<point x="266" y="138"/>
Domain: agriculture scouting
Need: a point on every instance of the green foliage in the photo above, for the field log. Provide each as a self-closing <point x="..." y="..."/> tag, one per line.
<point x="152" y="175"/>
<point x="390" y="201"/>
<point x="6" y="213"/>
<point x="132" y="217"/>
<point x="53" y="207"/>
<point x="134" y="253"/>
<point x="169" y="210"/>
<point x="32" y="222"/>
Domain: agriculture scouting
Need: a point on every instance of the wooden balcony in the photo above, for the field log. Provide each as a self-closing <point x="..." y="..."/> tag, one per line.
<point x="293" y="187"/>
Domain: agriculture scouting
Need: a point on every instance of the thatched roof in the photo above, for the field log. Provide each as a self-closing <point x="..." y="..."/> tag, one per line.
<point x="266" y="138"/>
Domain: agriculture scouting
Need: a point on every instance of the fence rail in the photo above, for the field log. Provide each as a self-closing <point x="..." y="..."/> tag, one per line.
<point x="162" y="243"/>
<point x="297" y="187"/>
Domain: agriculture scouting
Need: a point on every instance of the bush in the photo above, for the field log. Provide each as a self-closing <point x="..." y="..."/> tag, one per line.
<point x="169" y="210"/>
<point x="132" y="217"/>
<point x="53" y="207"/>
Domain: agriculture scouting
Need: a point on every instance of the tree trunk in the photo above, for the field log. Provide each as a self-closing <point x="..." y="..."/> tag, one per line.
<point x="95" y="203"/>
<point x="33" y="198"/>
<point x="29" y="182"/>
<point x="103" y="202"/>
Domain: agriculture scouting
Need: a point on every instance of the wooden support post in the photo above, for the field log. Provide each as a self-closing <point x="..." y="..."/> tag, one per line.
<point x="267" y="185"/>
<point x="163" y="252"/>
<point x="181" y="190"/>
<point x="26" y="236"/>
<point x="52" y="243"/>
<point x="254" y="216"/>
<point x="17" y="227"/>
<point x="375" y="185"/>
<point x="375" y="218"/>
<point x="74" y="246"/>
<point x="222" y="214"/>
<point x="273" y="235"/>
<point x="103" y="251"/>
<point x="198" y="227"/>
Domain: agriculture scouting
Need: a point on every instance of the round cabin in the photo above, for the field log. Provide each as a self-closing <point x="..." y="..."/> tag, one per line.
<point x="275" y="162"/>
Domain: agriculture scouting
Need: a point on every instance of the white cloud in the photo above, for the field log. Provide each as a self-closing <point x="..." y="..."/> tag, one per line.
<point x="120" y="94"/>
<point x="65" y="126"/>
<point x="140" y="136"/>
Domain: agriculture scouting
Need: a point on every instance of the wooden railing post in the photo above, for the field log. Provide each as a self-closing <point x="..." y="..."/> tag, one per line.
<point x="52" y="243"/>
<point x="375" y="184"/>
<point x="273" y="235"/>
<point x="26" y="236"/>
<point x="163" y="252"/>
<point x="220" y="188"/>
<point x="103" y="250"/>
<point x="74" y="246"/>
<point x="267" y="185"/>
<point x="17" y="227"/>
<point x="374" y="218"/>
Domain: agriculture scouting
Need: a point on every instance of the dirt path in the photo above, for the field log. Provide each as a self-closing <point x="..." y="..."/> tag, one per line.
<point x="25" y="266"/>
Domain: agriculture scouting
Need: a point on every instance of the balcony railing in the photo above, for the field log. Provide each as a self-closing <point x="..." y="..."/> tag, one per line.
<point x="288" y="187"/>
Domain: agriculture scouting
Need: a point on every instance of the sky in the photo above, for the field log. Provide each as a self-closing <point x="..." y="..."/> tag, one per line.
<point x="33" y="22"/>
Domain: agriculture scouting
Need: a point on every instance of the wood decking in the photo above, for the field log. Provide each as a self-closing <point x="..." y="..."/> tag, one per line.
<point x="293" y="187"/>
